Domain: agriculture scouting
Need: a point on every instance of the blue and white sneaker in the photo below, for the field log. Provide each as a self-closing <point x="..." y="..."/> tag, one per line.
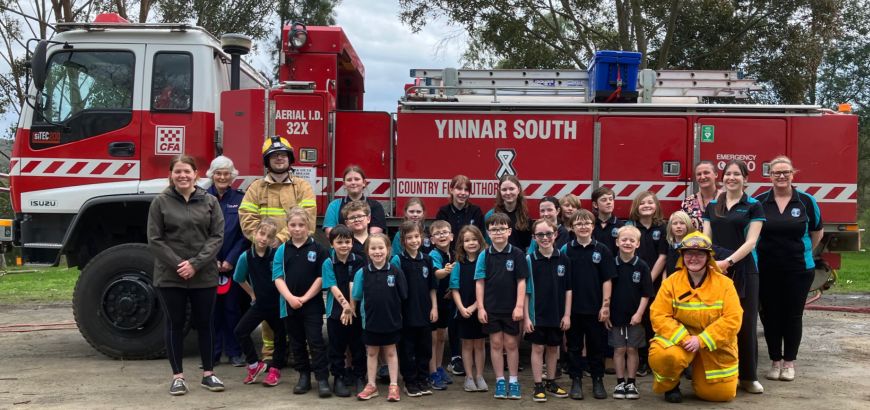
<point x="514" y="391"/>
<point x="500" y="389"/>
<point x="436" y="382"/>
<point x="444" y="376"/>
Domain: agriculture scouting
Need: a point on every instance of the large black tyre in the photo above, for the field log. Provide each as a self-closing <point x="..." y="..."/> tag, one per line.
<point x="115" y="307"/>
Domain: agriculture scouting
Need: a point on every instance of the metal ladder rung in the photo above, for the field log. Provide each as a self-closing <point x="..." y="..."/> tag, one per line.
<point x="463" y="74"/>
<point x="697" y="75"/>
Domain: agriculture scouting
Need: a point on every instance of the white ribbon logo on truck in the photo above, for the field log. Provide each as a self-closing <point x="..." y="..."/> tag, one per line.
<point x="506" y="158"/>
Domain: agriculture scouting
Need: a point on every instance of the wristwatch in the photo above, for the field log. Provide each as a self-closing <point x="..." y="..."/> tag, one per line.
<point x="730" y="262"/>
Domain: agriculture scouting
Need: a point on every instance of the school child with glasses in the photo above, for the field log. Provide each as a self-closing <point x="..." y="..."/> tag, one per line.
<point x="548" y="307"/>
<point x="501" y="274"/>
<point x="443" y="260"/>
<point x="357" y="215"/>
<point x="592" y="268"/>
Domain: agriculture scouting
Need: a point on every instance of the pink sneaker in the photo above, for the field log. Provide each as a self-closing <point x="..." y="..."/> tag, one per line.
<point x="369" y="392"/>
<point x="254" y="373"/>
<point x="273" y="378"/>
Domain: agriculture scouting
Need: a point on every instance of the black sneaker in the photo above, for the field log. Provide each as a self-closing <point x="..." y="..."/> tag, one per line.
<point x="619" y="391"/>
<point x="643" y="370"/>
<point x="178" y="387"/>
<point x="674" y="395"/>
<point x="212" y="383"/>
<point x="554" y="389"/>
<point x="412" y="390"/>
<point x="456" y="367"/>
<point x="238" y="361"/>
<point x="540" y="395"/>
<point x="631" y="391"/>
<point x="423" y="386"/>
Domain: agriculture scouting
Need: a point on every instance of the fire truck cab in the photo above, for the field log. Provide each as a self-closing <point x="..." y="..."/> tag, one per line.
<point x="111" y="102"/>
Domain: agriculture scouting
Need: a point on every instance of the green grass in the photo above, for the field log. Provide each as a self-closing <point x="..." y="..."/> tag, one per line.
<point x="854" y="273"/>
<point x="46" y="285"/>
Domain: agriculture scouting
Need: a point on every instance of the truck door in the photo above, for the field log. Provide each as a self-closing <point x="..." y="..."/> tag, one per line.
<point x="82" y="144"/>
<point x="644" y="154"/>
<point x="179" y="103"/>
<point x="364" y="138"/>
<point x="301" y="118"/>
<point x="753" y="140"/>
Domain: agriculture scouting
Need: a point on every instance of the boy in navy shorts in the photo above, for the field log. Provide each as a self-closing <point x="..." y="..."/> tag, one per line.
<point x="443" y="260"/>
<point x="632" y="289"/>
<point x="592" y="268"/>
<point x="501" y="274"/>
<point x="345" y="332"/>
<point x="549" y="307"/>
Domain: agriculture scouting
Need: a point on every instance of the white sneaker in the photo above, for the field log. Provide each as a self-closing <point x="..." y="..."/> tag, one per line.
<point x="480" y="382"/>
<point x="774" y="372"/>
<point x="787" y="374"/>
<point x="752" y="386"/>
<point x="469" y="384"/>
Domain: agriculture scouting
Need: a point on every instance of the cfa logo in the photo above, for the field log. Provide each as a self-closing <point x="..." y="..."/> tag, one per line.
<point x="168" y="140"/>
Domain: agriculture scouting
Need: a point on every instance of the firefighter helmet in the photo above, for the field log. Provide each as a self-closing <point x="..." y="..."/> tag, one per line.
<point x="276" y="144"/>
<point x="696" y="241"/>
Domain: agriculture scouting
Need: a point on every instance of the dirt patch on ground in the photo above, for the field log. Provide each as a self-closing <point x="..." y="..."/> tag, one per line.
<point x="58" y="369"/>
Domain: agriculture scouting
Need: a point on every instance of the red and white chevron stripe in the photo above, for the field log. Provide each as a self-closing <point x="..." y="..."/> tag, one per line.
<point x="74" y="168"/>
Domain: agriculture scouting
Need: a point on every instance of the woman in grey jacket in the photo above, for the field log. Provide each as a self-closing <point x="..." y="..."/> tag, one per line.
<point x="185" y="233"/>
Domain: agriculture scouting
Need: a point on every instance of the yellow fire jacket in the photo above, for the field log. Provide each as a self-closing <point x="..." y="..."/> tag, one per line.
<point x="711" y="312"/>
<point x="266" y="198"/>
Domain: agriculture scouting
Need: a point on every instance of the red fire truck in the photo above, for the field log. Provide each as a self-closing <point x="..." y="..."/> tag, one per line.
<point x="111" y="102"/>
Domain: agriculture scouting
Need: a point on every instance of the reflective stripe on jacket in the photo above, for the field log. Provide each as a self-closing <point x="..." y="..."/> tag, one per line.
<point x="270" y="199"/>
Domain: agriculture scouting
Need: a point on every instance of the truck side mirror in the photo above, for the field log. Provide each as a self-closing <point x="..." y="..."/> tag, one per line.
<point x="38" y="63"/>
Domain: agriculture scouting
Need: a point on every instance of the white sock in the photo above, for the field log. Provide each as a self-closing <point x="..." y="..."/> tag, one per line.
<point x="513" y="379"/>
<point x="499" y="378"/>
<point x="253" y="365"/>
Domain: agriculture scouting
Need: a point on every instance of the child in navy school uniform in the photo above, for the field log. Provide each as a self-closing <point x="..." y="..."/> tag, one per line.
<point x="357" y="214"/>
<point x="415" y="211"/>
<point x="468" y="246"/>
<point x="646" y="216"/>
<point x="343" y="329"/>
<point x="381" y="290"/>
<point x="679" y="225"/>
<point x="501" y="273"/>
<point x="442" y="259"/>
<point x="592" y="268"/>
<point x="254" y="274"/>
<point x="296" y="271"/>
<point x="420" y="309"/>
<point x="548" y="307"/>
<point x="606" y="224"/>
<point x="550" y="210"/>
<point x="632" y="290"/>
<point x="460" y="211"/>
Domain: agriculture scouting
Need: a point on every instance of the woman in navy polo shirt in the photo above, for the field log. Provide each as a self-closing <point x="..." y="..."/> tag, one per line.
<point x="734" y="220"/>
<point x="785" y="261"/>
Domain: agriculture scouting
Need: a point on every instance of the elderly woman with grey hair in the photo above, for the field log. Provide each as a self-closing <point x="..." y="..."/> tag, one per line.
<point x="227" y="311"/>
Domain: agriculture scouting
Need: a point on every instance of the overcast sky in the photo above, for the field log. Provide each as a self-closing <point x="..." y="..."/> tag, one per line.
<point x="389" y="49"/>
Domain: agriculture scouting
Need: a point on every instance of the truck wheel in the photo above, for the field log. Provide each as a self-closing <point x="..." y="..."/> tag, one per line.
<point x="115" y="307"/>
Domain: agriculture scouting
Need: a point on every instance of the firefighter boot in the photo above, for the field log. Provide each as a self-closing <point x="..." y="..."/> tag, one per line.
<point x="598" y="388"/>
<point x="576" y="388"/>
<point x="304" y="383"/>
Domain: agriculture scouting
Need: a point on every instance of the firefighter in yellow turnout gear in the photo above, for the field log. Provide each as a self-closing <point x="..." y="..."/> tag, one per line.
<point x="272" y="197"/>
<point x="696" y="316"/>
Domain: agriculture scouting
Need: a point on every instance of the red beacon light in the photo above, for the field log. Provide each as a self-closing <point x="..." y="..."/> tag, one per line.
<point x="110" y="18"/>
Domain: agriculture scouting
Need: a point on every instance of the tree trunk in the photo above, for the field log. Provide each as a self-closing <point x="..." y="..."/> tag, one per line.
<point x="665" y="50"/>
<point x="144" y="9"/>
<point x="622" y="24"/>
<point x="121" y="8"/>
<point x="639" y="32"/>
